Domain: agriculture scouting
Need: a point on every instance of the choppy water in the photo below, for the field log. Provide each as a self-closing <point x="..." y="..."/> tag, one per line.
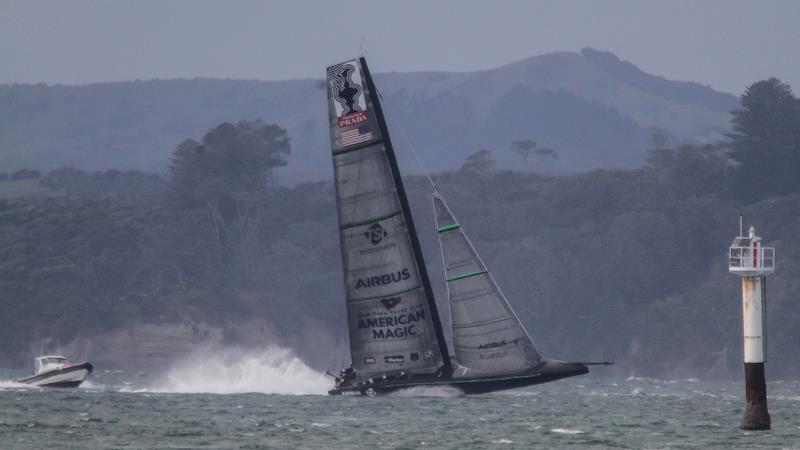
<point x="119" y="410"/>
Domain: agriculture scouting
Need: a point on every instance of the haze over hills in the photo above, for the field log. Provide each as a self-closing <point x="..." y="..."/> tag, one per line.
<point x="593" y="108"/>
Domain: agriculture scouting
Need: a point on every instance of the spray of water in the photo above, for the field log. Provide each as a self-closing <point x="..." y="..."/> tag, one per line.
<point x="273" y="370"/>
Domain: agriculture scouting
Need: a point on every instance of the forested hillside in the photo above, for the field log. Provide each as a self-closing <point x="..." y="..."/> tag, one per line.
<point x="628" y="265"/>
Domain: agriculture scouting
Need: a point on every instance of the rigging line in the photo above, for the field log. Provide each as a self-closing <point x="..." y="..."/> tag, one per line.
<point x="414" y="152"/>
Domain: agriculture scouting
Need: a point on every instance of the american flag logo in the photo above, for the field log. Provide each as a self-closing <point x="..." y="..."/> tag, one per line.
<point x="355" y="136"/>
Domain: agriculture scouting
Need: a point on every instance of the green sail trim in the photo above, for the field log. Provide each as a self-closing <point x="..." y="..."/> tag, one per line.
<point x="487" y="322"/>
<point x="452" y="226"/>
<point x="467" y="275"/>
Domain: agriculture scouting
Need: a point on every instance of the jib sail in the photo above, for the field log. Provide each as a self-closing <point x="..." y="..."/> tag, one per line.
<point x="393" y="322"/>
<point x="488" y="338"/>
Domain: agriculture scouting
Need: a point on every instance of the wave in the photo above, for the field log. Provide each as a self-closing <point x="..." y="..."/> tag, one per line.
<point x="274" y="370"/>
<point x="566" y="431"/>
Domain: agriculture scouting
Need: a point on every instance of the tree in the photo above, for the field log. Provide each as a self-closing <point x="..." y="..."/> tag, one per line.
<point x="546" y="153"/>
<point x="481" y="162"/>
<point x="660" y="158"/>
<point x="227" y="176"/>
<point x="66" y="179"/>
<point x="231" y="160"/>
<point x="26" y="174"/>
<point x="524" y="148"/>
<point x="698" y="170"/>
<point x="765" y="141"/>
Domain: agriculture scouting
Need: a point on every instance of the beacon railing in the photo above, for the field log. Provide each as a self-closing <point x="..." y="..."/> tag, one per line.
<point x="753" y="260"/>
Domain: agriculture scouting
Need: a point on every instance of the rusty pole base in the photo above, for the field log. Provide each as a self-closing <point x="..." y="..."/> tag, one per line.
<point x="756" y="416"/>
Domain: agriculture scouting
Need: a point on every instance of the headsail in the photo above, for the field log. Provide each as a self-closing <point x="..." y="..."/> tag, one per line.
<point x="392" y="317"/>
<point x="487" y="336"/>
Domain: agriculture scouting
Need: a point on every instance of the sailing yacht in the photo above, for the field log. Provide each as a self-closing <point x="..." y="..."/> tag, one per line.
<point x="396" y="335"/>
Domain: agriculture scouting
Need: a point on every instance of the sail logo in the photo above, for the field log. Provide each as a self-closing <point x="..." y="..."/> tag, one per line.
<point x="390" y="303"/>
<point x="493" y="345"/>
<point x="398" y="326"/>
<point x="383" y="279"/>
<point x="375" y="233"/>
<point x="348" y="94"/>
<point x="353" y="119"/>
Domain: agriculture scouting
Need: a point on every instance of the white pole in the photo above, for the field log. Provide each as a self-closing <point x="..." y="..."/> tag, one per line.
<point x="749" y="260"/>
<point x="753" y="315"/>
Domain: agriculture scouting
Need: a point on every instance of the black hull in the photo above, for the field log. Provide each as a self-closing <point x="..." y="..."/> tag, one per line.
<point x="544" y="373"/>
<point x="66" y="384"/>
<point x="57" y="375"/>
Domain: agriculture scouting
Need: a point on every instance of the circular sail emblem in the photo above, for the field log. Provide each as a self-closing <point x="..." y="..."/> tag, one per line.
<point x="346" y="92"/>
<point x="375" y="233"/>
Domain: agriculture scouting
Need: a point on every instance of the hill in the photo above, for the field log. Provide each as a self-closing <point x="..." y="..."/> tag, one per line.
<point x="593" y="108"/>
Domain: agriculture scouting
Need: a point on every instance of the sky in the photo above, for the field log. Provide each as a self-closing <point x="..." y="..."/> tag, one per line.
<point x="726" y="44"/>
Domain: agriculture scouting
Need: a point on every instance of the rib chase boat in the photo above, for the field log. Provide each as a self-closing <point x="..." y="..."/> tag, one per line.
<point x="396" y="335"/>
<point x="55" y="371"/>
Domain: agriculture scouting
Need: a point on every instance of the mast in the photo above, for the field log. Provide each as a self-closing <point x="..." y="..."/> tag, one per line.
<point x="412" y="231"/>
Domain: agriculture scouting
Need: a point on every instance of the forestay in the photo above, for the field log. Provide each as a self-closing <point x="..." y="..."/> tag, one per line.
<point x="391" y="315"/>
<point x="487" y="336"/>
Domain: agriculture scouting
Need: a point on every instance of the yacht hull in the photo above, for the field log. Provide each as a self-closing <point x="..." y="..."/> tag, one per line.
<point x="545" y="372"/>
<point x="68" y="377"/>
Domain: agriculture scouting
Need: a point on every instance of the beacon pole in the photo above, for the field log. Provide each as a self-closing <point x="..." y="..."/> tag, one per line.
<point x="753" y="262"/>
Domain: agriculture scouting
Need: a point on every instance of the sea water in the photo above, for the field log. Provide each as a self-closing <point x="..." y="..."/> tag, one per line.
<point x="271" y="400"/>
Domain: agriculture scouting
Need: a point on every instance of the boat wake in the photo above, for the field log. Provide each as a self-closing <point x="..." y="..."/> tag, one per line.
<point x="428" y="391"/>
<point x="11" y="384"/>
<point x="273" y="370"/>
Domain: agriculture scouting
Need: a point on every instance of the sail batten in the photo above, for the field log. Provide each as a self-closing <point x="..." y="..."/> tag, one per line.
<point x="448" y="227"/>
<point x="355" y="148"/>
<point x="467" y="275"/>
<point x="486" y="322"/>
<point x="405" y="291"/>
<point x="369" y="221"/>
<point x="393" y="323"/>
<point x="488" y="337"/>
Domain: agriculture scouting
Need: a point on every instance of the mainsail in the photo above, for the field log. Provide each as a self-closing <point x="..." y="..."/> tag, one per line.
<point x="488" y="338"/>
<point x="393" y="322"/>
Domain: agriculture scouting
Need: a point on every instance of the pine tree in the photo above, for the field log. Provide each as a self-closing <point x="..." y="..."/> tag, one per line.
<point x="765" y="141"/>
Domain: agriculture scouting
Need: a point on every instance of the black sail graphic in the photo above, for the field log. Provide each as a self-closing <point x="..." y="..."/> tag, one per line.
<point x="393" y="322"/>
<point x="488" y="338"/>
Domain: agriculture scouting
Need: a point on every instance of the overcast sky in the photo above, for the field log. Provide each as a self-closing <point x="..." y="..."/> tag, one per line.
<point x="726" y="44"/>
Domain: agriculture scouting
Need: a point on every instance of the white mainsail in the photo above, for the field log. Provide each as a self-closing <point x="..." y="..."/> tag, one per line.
<point x="392" y="318"/>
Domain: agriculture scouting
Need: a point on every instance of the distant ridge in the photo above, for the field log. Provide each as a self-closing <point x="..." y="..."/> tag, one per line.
<point x="687" y="92"/>
<point x="593" y="108"/>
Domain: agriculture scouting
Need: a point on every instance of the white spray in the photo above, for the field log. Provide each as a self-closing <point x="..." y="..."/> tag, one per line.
<point x="273" y="370"/>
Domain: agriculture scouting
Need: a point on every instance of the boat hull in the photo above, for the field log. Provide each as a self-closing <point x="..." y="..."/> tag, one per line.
<point x="68" y="377"/>
<point x="546" y="372"/>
